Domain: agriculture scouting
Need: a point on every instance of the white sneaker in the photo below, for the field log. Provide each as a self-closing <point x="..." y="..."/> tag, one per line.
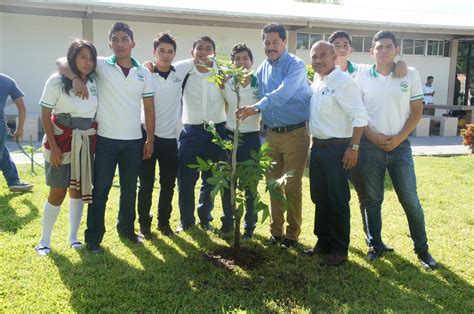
<point x="21" y="187"/>
<point x="42" y="250"/>
<point x="76" y="245"/>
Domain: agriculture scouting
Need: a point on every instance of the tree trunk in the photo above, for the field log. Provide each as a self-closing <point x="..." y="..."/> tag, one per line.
<point x="233" y="179"/>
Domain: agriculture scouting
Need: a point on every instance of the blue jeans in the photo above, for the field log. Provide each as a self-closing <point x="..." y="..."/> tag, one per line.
<point x="127" y="154"/>
<point x="329" y="185"/>
<point x="399" y="164"/>
<point x="250" y="142"/>
<point x="6" y="162"/>
<point x="195" y="141"/>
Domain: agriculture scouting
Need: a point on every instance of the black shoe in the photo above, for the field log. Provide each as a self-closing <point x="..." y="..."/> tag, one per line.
<point x="317" y="250"/>
<point x="288" y="243"/>
<point x="135" y="239"/>
<point x="334" y="260"/>
<point x="226" y="229"/>
<point x="94" y="248"/>
<point x="274" y="240"/>
<point x="426" y="260"/>
<point x="248" y="234"/>
<point x="374" y="254"/>
<point x="145" y="233"/>
<point x="207" y="226"/>
<point x="166" y="230"/>
<point x="387" y="248"/>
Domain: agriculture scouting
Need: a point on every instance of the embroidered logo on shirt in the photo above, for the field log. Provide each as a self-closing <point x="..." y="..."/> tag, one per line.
<point x="141" y="77"/>
<point x="93" y="91"/>
<point x="177" y="80"/>
<point x="404" y="86"/>
<point x="327" y="91"/>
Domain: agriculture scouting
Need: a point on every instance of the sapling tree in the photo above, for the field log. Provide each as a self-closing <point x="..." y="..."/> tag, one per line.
<point x="239" y="177"/>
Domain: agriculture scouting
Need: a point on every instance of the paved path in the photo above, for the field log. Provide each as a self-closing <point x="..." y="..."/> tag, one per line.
<point x="421" y="146"/>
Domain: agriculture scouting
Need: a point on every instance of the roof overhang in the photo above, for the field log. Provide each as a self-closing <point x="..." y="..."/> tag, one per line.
<point x="295" y="16"/>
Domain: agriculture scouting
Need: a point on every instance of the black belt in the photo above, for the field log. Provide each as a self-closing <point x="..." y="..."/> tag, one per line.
<point x="319" y="143"/>
<point x="288" y="128"/>
<point x="244" y="134"/>
<point x="203" y="125"/>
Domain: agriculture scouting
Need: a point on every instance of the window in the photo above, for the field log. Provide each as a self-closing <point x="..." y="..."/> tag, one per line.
<point x="361" y="43"/>
<point x="302" y="41"/>
<point x="447" y="48"/>
<point x="305" y="41"/>
<point x="314" y="38"/>
<point x="420" y="47"/>
<point x="357" y="43"/>
<point x="435" y="48"/>
<point x="408" y="45"/>
<point x="367" y="44"/>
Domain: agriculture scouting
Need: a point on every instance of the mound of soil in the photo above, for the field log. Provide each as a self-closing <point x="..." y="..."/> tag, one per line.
<point x="228" y="258"/>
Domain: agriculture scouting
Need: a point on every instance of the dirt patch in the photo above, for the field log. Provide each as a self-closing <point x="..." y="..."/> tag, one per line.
<point x="229" y="258"/>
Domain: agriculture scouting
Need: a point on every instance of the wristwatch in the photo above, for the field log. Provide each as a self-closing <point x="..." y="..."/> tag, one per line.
<point x="256" y="109"/>
<point x="354" y="147"/>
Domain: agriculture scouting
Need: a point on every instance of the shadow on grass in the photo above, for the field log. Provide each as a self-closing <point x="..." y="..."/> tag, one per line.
<point x="10" y="221"/>
<point x="176" y="278"/>
<point x="440" y="289"/>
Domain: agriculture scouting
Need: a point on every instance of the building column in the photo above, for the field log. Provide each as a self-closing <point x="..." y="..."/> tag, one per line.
<point x="452" y="70"/>
<point x="88" y="29"/>
<point x="291" y="41"/>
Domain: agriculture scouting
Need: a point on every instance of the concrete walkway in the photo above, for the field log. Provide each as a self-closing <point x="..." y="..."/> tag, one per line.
<point x="421" y="146"/>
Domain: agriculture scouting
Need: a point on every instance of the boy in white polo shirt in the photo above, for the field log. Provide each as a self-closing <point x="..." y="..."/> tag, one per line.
<point x="167" y="82"/>
<point x="249" y="131"/>
<point x="122" y="85"/>
<point x="394" y="106"/>
<point x="343" y="46"/>
<point x="202" y="102"/>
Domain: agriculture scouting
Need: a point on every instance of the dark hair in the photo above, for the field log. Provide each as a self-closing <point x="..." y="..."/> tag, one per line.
<point x="164" y="38"/>
<point x="339" y="34"/>
<point x="382" y="35"/>
<point x="121" y="27"/>
<point x="430" y="77"/>
<point x="72" y="52"/>
<point x="239" y="48"/>
<point x="204" y="38"/>
<point x="274" y="28"/>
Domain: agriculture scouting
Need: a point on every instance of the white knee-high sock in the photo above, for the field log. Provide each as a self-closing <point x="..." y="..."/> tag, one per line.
<point x="75" y="214"/>
<point x="50" y="214"/>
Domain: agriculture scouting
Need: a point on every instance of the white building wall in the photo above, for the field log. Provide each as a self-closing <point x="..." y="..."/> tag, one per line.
<point x="426" y="65"/>
<point x="30" y="44"/>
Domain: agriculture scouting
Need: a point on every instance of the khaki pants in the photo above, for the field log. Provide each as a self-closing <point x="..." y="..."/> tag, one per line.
<point x="290" y="152"/>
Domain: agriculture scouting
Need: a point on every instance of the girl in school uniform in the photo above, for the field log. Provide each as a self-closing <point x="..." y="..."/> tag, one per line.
<point x="69" y="142"/>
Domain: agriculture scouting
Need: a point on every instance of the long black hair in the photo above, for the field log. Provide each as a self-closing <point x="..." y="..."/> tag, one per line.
<point x="72" y="52"/>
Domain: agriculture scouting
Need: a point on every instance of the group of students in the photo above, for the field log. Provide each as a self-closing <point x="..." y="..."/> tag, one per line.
<point x="102" y="112"/>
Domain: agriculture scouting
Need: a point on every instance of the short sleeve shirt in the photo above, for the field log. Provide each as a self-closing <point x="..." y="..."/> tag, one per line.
<point x="167" y="98"/>
<point x="120" y="99"/>
<point x="8" y="87"/>
<point x="387" y="99"/>
<point x="55" y="97"/>
<point x="248" y="97"/>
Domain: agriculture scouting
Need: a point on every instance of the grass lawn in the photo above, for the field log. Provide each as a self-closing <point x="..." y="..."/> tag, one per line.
<point x="171" y="274"/>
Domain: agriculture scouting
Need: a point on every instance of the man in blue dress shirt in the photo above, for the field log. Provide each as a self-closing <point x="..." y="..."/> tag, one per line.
<point x="284" y="105"/>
